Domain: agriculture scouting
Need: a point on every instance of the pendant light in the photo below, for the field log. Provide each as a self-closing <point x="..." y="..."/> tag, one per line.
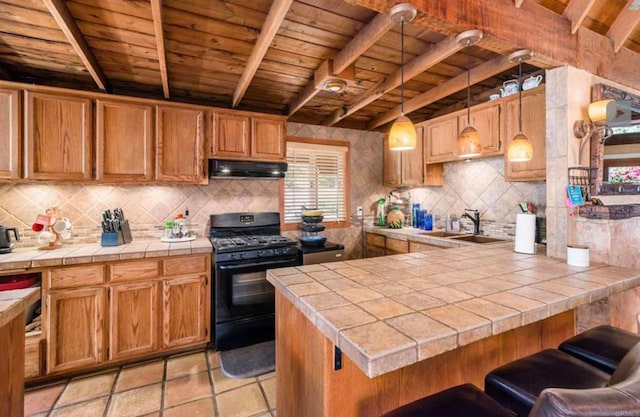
<point x="402" y="136"/>
<point x="520" y="149"/>
<point x="468" y="143"/>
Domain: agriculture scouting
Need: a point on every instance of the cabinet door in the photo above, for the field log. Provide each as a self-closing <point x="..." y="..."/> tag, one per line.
<point x="124" y="141"/>
<point x="180" y="137"/>
<point x="441" y="139"/>
<point x="59" y="136"/>
<point x="534" y="127"/>
<point x="10" y="134"/>
<point x="232" y="136"/>
<point x="75" y="328"/>
<point x="267" y="139"/>
<point x="392" y="164"/>
<point x="412" y="162"/>
<point x="185" y="311"/>
<point x="486" y="121"/>
<point x="133" y="320"/>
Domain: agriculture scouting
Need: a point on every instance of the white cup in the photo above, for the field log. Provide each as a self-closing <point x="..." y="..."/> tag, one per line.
<point x="62" y="224"/>
<point x="45" y="237"/>
<point x="494" y="97"/>
<point x="65" y="234"/>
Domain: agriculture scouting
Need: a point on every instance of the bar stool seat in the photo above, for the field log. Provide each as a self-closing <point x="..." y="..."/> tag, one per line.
<point x="602" y="346"/>
<point x="460" y="401"/>
<point x="518" y="384"/>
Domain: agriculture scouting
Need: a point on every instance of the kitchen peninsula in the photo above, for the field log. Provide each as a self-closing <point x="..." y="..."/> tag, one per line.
<point x="361" y="337"/>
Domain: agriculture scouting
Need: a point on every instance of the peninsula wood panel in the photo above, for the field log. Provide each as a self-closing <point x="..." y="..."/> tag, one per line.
<point x="75" y="325"/>
<point x="10" y="134"/>
<point x="124" y="141"/>
<point x="133" y="319"/>
<point x="59" y="136"/>
<point x="307" y="384"/>
<point x="12" y="363"/>
<point x="180" y="141"/>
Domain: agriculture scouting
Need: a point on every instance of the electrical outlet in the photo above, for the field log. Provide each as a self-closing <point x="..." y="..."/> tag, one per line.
<point x="359" y="212"/>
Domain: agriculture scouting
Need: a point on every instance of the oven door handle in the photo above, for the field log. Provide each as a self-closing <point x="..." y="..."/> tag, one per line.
<point x="264" y="264"/>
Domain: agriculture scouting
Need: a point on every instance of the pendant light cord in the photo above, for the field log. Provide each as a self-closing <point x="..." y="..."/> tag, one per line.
<point x="519" y="96"/>
<point x="468" y="85"/>
<point x="402" y="67"/>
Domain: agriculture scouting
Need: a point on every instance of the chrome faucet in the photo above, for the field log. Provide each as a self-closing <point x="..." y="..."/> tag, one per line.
<point x="475" y="219"/>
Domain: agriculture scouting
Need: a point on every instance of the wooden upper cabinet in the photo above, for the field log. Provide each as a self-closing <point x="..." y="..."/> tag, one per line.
<point x="58" y="137"/>
<point x="232" y="136"/>
<point x="534" y="127"/>
<point x="268" y="139"/>
<point x="440" y="140"/>
<point x="486" y="120"/>
<point x="124" y="141"/>
<point x="180" y="141"/>
<point x="10" y="134"/>
<point x="404" y="167"/>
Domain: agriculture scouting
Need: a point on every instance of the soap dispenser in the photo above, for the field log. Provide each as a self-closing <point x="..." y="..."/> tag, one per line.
<point x="380" y="215"/>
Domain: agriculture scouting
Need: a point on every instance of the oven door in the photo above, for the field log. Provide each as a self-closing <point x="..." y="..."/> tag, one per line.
<point x="244" y="302"/>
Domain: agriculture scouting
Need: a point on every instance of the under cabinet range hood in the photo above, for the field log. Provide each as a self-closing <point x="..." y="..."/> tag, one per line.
<point x="219" y="168"/>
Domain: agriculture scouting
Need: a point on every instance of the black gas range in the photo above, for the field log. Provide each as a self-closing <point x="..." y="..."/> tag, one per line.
<point x="243" y="301"/>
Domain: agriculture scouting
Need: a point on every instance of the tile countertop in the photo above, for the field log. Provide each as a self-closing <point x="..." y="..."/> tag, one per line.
<point x="14" y="302"/>
<point x="424" y="236"/>
<point x="23" y="258"/>
<point x="388" y="312"/>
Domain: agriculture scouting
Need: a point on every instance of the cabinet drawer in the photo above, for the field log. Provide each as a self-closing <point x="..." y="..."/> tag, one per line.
<point x="397" y="245"/>
<point x="375" y="240"/>
<point x="33" y="356"/>
<point x="373" y="251"/>
<point x="76" y="276"/>
<point x="132" y="271"/>
<point x="185" y="265"/>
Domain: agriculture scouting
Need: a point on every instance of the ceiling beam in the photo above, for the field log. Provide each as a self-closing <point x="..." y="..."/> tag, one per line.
<point x="69" y="27"/>
<point x="4" y="74"/>
<point x="478" y="73"/>
<point x="367" y="37"/>
<point x="576" y="11"/>
<point x="272" y="23"/>
<point x="156" y="13"/>
<point x="532" y="26"/>
<point x="624" y="25"/>
<point x="437" y="53"/>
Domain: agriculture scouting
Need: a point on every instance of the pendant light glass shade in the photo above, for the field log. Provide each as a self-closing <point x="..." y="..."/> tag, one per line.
<point x="520" y="149"/>
<point x="469" y="143"/>
<point x="402" y="136"/>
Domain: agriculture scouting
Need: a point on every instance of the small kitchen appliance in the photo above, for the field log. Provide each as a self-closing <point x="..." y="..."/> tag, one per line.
<point x="245" y="245"/>
<point x="5" y="238"/>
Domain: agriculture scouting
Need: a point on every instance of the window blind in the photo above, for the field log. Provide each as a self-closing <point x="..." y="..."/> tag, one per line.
<point x="316" y="178"/>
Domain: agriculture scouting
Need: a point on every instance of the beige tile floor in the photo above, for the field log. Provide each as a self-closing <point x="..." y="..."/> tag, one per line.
<point x="190" y="385"/>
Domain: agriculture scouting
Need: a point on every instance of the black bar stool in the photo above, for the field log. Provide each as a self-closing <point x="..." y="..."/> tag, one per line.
<point x="460" y="401"/>
<point x="602" y="346"/>
<point x="518" y="384"/>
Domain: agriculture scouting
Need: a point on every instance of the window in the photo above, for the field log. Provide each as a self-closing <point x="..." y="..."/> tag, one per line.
<point x="317" y="177"/>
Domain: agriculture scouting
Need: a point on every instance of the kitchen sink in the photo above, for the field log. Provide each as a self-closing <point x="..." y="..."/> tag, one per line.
<point x="439" y="233"/>
<point x="478" y="239"/>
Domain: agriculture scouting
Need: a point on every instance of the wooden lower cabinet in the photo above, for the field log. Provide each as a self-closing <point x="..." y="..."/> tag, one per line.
<point x="396" y="246"/>
<point x="185" y="314"/>
<point x="133" y="319"/>
<point x="127" y="310"/>
<point x="75" y="326"/>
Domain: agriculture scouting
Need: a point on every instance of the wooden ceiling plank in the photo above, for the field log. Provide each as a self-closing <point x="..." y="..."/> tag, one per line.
<point x="274" y="19"/>
<point x="437" y="53"/>
<point x="366" y="38"/>
<point x="576" y="11"/>
<point x="68" y="25"/>
<point x="156" y="13"/>
<point x="624" y="25"/>
<point x="478" y="73"/>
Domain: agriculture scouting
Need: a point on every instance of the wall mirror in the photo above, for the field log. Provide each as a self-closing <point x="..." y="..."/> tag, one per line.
<point x="615" y="161"/>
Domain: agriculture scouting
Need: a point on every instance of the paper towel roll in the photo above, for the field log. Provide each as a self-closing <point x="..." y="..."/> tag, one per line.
<point x="578" y="255"/>
<point x="525" y="233"/>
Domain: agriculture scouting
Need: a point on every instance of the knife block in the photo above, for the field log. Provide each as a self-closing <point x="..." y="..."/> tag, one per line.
<point x="118" y="238"/>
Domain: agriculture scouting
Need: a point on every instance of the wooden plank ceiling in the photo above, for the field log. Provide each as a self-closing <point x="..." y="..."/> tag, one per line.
<point x="273" y="55"/>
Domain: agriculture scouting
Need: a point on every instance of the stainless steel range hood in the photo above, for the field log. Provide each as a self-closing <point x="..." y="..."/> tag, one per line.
<point x="219" y="168"/>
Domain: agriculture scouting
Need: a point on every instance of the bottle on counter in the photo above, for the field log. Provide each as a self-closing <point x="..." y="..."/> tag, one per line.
<point x="186" y="227"/>
<point x="415" y="208"/>
<point x="381" y="216"/>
